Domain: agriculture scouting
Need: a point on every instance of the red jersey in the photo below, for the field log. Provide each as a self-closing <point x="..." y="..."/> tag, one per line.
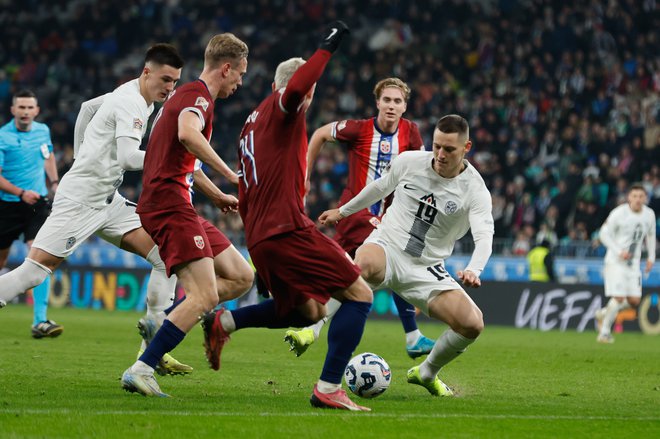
<point x="273" y="158"/>
<point x="370" y="151"/>
<point x="167" y="177"/>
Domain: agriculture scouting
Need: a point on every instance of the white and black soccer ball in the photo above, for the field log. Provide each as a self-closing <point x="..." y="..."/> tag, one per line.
<point x="367" y="375"/>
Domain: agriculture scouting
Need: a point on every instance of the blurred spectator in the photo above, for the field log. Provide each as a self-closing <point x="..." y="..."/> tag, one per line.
<point x="556" y="93"/>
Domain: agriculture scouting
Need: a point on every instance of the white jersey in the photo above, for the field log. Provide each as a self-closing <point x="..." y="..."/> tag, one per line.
<point x="429" y="212"/>
<point x="625" y="230"/>
<point x="95" y="175"/>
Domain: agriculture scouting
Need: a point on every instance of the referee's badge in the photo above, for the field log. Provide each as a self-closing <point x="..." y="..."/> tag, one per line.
<point x="45" y="153"/>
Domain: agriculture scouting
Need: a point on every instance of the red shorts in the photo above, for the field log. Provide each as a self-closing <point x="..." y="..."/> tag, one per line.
<point x="301" y="265"/>
<point x="353" y="230"/>
<point x="183" y="236"/>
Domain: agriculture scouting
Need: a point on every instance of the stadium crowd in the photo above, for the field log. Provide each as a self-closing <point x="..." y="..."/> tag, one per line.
<point x="563" y="98"/>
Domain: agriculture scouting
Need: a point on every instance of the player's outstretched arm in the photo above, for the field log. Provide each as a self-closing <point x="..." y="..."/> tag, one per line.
<point x="191" y="137"/>
<point x="306" y="76"/>
<point x="330" y="217"/>
<point x="316" y="143"/>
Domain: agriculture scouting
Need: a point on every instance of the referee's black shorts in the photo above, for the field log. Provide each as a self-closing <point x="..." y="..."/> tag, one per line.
<point x="18" y="218"/>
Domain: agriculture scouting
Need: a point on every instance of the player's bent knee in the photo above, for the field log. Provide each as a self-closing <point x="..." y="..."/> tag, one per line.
<point x="359" y="291"/>
<point x="245" y="280"/>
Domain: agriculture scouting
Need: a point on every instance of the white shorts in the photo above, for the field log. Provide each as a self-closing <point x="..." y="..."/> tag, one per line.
<point x="71" y="223"/>
<point x="416" y="283"/>
<point x="622" y="280"/>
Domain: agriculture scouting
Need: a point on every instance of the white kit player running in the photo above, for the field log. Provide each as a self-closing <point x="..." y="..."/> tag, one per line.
<point x="623" y="233"/>
<point x="438" y="197"/>
<point x="88" y="202"/>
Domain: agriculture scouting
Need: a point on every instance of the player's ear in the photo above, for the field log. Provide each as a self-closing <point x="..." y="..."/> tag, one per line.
<point x="272" y="86"/>
<point x="468" y="145"/>
<point x="226" y="67"/>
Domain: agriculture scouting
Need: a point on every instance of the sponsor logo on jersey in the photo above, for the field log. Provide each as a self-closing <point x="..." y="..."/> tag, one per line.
<point x="341" y="125"/>
<point x="70" y="242"/>
<point x="385" y="146"/>
<point x="201" y="102"/>
<point x="199" y="241"/>
<point x="374" y="221"/>
<point x="137" y="124"/>
<point x="450" y="207"/>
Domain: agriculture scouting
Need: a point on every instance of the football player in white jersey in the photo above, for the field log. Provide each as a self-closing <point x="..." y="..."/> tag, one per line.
<point x="623" y="233"/>
<point x="438" y="197"/>
<point x="108" y="133"/>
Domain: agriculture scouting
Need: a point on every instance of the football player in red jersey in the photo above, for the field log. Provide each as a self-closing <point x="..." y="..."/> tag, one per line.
<point x="300" y="266"/>
<point x="207" y="264"/>
<point x="372" y="144"/>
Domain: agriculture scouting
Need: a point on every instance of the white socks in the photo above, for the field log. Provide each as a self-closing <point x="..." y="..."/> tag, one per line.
<point x="412" y="337"/>
<point x="142" y="368"/>
<point x="611" y="310"/>
<point x="27" y="275"/>
<point x="332" y="307"/>
<point x="449" y="346"/>
<point x="227" y="322"/>
<point x="161" y="289"/>
<point x="326" y="387"/>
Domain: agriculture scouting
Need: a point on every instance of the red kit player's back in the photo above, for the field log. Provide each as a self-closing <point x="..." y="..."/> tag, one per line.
<point x="272" y="153"/>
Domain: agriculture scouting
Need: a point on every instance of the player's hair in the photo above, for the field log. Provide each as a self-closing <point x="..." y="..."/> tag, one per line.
<point x="392" y="82"/>
<point x="636" y="186"/>
<point x="224" y="47"/>
<point x="164" y="54"/>
<point x="285" y="71"/>
<point x="23" y="93"/>
<point x="453" y="123"/>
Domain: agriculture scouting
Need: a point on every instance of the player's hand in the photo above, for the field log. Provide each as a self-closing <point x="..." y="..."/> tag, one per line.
<point x="469" y="278"/>
<point x="333" y="35"/>
<point x="625" y="255"/>
<point x="649" y="266"/>
<point x="330" y="217"/>
<point x="226" y="203"/>
<point x="30" y="197"/>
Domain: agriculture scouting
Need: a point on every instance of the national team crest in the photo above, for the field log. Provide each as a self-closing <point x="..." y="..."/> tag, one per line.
<point x="450" y="207"/>
<point x="374" y="221"/>
<point x="201" y="102"/>
<point x="385" y="146"/>
<point x="199" y="242"/>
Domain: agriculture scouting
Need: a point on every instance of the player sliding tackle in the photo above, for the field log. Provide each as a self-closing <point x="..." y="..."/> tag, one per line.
<point x="438" y="196"/>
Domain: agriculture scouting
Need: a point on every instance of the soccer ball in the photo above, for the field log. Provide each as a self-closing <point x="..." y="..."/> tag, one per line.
<point x="367" y="375"/>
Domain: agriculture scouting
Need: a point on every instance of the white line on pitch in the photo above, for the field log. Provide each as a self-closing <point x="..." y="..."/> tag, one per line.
<point x="315" y="414"/>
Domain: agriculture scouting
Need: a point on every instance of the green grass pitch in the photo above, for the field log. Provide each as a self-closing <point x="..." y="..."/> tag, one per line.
<point x="511" y="383"/>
